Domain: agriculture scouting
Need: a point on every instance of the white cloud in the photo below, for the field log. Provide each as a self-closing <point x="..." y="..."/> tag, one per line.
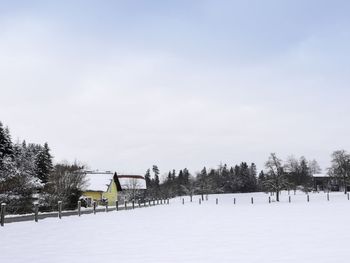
<point x="126" y="109"/>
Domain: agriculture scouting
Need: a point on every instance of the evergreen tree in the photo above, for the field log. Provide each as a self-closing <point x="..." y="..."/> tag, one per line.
<point x="6" y="148"/>
<point x="261" y="179"/>
<point x="202" y="181"/>
<point x="148" y="178"/>
<point x="173" y="175"/>
<point x="186" y="175"/>
<point x="17" y="184"/>
<point x="156" y="181"/>
<point x="44" y="164"/>
<point x="180" y="183"/>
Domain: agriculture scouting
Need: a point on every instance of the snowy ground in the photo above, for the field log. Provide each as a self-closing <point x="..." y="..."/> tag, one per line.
<point x="317" y="231"/>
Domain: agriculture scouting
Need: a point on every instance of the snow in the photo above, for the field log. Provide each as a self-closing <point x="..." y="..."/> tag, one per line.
<point x="320" y="175"/>
<point x="98" y="181"/>
<point x="132" y="182"/>
<point x="301" y="231"/>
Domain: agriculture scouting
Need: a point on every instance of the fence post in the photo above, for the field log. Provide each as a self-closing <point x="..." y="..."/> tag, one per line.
<point x="327" y="196"/>
<point x="154" y="202"/>
<point x="133" y="204"/>
<point x="289" y="199"/>
<point x="106" y="209"/>
<point x="183" y="201"/>
<point x="200" y="201"/>
<point x="269" y="199"/>
<point x="94" y="207"/>
<point x="234" y="200"/>
<point x="139" y="203"/>
<point x="126" y="205"/>
<point x="217" y="201"/>
<point x="36" y="211"/>
<point x="149" y="202"/>
<point x="206" y="198"/>
<point x="60" y="209"/>
<point x="79" y="208"/>
<point x="252" y="200"/>
<point x="348" y="196"/>
<point x="191" y="198"/>
<point x="308" y="198"/>
<point x="116" y="205"/>
<point x="2" y="214"/>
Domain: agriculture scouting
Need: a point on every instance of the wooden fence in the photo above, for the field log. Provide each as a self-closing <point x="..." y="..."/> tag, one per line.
<point x="36" y="216"/>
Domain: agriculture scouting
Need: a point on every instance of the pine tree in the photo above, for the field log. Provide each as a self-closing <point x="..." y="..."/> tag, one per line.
<point x="202" y="180"/>
<point x="180" y="183"/>
<point x="6" y="148"/>
<point x="155" y="170"/>
<point x="186" y="175"/>
<point x="261" y="179"/>
<point x="17" y="184"/>
<point x="156" y="180"/>
<point x="305" y="175"/>
<point x="44" y="164"/>
<point x="148" y="178"/>
<point x="7" y="165"/>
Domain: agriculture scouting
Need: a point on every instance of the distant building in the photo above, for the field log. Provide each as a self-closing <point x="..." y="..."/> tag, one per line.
<point x="321" y="182"/>
<point x="133" y="187"/>
<point x="324" y="182"/>
<point x="102" y="187"/>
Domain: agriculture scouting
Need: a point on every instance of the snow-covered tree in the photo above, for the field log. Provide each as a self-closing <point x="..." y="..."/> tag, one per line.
<point x="43" y="164"/>
<point x="17" y="178"/>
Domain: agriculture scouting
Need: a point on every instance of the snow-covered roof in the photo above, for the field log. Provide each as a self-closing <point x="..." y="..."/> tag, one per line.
<point x="132" y="182"/>
<point x="320" y="175"/>
<point x="98" y="181"/>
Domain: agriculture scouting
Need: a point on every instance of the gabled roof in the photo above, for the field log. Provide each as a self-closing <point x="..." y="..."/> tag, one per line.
<point x="132" y="182"/>
<point x="320" y="175"/>
<point x="100" y="181"/>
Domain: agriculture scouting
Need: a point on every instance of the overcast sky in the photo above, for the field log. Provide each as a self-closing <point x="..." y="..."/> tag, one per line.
<point x="123" y="85"/>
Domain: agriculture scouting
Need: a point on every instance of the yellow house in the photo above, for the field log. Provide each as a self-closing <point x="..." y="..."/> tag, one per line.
<point x="101" y="187"/>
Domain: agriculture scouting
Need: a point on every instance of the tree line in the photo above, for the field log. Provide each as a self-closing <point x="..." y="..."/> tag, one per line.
<point x="27" y="175"/>
<point x="293" y="174"/>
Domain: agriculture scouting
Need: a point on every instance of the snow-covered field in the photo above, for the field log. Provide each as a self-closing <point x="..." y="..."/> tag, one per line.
<point x="317" y="231"/>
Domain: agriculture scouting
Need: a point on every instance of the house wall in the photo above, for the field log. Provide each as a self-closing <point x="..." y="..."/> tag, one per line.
<point x="94" y="195"/>
<point x="111" y="194"/>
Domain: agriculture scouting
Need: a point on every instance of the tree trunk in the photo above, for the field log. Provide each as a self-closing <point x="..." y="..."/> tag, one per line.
<point x="277" y="196"/>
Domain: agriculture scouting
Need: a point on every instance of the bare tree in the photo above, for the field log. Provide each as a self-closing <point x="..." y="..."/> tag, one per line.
<point x="314" y="167"/>
<point x="190" y="188"/>
<point x="275" y="180"/>
<point x="340" y="167"/>
<point x="65" y="184"/>
<point x="132" y="188"/>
